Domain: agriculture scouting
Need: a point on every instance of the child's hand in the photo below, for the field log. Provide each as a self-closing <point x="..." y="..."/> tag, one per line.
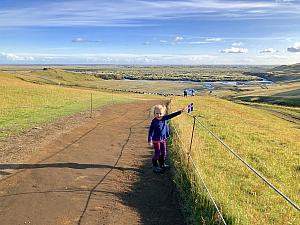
<point x="150" y="144"/>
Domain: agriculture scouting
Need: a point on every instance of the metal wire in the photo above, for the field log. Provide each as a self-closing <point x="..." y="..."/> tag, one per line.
<point x="244" y="162"/>
<point x="212" y="199"/>
<point x="201" y="178"/>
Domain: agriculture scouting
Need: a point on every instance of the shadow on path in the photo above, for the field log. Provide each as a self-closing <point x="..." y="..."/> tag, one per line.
<point x="154" y="197"/>
<point x="61" y="165"/>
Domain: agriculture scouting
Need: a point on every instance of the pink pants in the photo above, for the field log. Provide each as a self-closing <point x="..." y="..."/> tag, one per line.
<point x="160" y="152"/>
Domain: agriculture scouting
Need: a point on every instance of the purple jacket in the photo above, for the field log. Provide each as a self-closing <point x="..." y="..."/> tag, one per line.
<point x="159" y="129"/>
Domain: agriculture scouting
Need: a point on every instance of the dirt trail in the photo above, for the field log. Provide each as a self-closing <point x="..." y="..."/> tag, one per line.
<point x="100" y="173"/>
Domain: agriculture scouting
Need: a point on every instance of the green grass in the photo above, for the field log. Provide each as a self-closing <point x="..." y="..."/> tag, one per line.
<point x="277" y="94"/>
<point x="293" y="93"/>
<point x="290" y="112"/>
<point x="24" y="104"/>
<point x="258" y="137"/>
<point x="56" y="77"/>
<point x="276" y="100"/>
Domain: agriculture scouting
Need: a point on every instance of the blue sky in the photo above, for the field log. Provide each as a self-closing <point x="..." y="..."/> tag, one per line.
<point x="150" y="32"/>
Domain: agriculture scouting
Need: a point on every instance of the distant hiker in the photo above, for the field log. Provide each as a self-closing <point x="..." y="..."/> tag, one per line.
<point x="158" y="133"/>
<point x="193" y="92"/>
<point x="184" y="93"/>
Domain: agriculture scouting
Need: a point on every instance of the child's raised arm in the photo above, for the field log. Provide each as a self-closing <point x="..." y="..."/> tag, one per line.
<point x="172" y="115"/>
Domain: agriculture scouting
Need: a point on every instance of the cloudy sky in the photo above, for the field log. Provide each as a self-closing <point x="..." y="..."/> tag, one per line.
<point x="153" y="32"/>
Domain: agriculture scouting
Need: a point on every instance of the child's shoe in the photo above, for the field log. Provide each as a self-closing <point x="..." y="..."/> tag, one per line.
<point x="157" y="169"/>
<point x="165" y="166"/>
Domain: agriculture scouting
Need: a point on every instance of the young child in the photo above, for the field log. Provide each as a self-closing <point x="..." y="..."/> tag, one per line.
<point x="158" y="133"/>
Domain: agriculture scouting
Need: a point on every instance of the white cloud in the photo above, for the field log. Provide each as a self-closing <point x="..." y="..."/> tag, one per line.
<point x="206" y="41"/>
<point x="152" y="59"/>
<point x="14" y="57"/>
<point x="213" y="39"/>
<point x="285" y="1"/>
<point x="237" y="44"/>
<point x="119" y="58"/>
<point x="268" y="50"/>
<point x="82" y="40"/>
<point x="77" y="39"/>
<point x="135" y="13"/>
<point x="234" y="50"/>
<point x="178" y="38"/>
<point x="199" y="42"/>
<point x="294" y="48"/>
<point x="163" y="41"/>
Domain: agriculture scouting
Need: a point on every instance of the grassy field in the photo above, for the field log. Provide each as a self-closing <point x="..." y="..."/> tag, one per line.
<point x="183" y="73"/>
<point x="24" y="104"/>
<point x="179" y="73"/>
<point x="287" y="94"/>
<point x="269" y="144"/>
<point x="81" y="80"/>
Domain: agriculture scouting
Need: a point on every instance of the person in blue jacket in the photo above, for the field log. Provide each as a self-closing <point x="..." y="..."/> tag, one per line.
<point x="159" y="131"/>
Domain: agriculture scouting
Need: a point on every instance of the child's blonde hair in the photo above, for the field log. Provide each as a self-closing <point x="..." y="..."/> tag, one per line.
<point x="160" y="108"/>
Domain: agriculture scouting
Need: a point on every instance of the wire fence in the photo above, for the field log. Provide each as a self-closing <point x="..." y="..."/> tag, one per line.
<point x="191" y="161"/>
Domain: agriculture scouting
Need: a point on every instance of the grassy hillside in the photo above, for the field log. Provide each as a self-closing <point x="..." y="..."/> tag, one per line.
<point x="285" y="73"/>
<point x="269" y="144"/>
<point x="56" y="77"/>
<point x="287" y="94"/>
<point x="25" y="104"/>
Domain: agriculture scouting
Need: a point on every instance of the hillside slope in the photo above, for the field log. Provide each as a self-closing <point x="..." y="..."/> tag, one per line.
<point x="257" y="136"/>
<point x="285" y="73"/>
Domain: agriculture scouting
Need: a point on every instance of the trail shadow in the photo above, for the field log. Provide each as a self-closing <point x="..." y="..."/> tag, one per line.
<point x="72" y="190"/>
<point x="60" y="165"/>
<point x="153" y="196"/>
<point x="4" y="173"/>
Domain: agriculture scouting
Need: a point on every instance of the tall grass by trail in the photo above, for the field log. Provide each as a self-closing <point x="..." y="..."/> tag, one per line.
<point x="269" y="144"/>
<point x="24" y="104"/>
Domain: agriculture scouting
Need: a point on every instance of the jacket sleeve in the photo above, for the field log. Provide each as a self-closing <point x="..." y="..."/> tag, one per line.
<point x="172" y="115"/>
<point x="150" y="132"/>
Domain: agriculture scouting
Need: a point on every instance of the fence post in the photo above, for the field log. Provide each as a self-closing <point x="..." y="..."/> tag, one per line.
<point x="192" y="139"/>
<point x="91" y="105"/>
